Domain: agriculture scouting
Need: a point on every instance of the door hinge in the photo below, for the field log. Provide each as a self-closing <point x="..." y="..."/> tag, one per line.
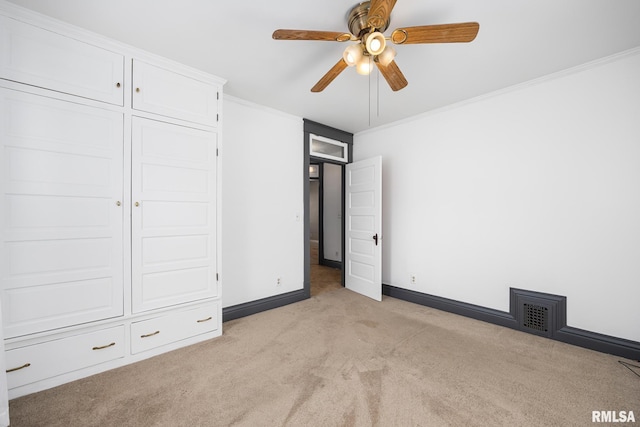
<point x="217" y="278"/>
<point x="217" y="153"/>
<point x="217" y="95"/>
<point x="217" y="117"/>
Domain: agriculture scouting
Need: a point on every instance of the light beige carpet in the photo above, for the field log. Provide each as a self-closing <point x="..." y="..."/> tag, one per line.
<point x="340" y="359"/>
<point x="322" y="278"/>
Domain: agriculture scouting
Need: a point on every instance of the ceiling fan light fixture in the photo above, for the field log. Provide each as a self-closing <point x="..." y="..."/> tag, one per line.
<point x="352" y="55"/>
<point x="375" y="43"/>
<point x="387" y="55"/>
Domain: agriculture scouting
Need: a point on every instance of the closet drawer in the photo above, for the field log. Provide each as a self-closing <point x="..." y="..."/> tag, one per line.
<point x="171" y="327"/>
<point x="48" y="359"/>
<point x="49" y="60"/>
<point x="171" y="94"/>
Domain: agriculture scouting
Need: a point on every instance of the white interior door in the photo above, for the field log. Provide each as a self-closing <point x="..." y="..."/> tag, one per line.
<point x="363" y="257"/>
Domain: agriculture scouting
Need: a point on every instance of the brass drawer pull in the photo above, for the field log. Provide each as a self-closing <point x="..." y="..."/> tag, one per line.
<point x="205" y="320"/>
<point x="104" y="346"/>
<point x="26" y="365"/>
<point x="150" y="335"/>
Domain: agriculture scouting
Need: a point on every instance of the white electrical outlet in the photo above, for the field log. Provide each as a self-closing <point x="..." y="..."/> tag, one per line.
<point x="413" y="279"/>
<point x="279" y="281"/>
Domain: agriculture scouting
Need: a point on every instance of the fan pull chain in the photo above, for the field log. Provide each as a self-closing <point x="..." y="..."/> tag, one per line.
<point x="369" y="92"/>
<point x="378" y="94"/>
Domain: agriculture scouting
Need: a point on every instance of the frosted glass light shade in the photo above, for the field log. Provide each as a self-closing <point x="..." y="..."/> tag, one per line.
<point x="364" y="66"/>
<point x="387" y="55"/>
<point x="375" y="43"/>
<point x="352" y="54"/>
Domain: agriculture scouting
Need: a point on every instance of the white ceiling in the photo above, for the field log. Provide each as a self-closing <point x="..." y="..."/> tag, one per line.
<point x="518" y="41"/>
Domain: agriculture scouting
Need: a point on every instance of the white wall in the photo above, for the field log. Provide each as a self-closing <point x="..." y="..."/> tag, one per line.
<point x="262" y="202"/>
<point x="537" y="187"/>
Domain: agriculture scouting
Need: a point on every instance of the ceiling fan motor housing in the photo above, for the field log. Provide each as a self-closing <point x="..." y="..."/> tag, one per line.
<point x="358" y="20"/>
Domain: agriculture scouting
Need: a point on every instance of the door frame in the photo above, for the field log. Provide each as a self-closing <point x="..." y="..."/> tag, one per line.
<point x="311" y="127"/>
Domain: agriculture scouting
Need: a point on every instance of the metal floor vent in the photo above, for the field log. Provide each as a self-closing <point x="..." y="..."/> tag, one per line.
<point x="538" y="313"/>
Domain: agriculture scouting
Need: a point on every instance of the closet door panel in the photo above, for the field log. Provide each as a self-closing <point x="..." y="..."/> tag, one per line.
<point x="171" y="94"/>
<point x="43" y="58"/>
<point x="62" y="228"/>
<point x="173" y="216"/>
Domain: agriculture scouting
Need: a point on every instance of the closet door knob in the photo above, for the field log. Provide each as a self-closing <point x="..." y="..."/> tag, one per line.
<point x="137" y="89"/>
<point x="118" y="84"/>
<point x="137" y="204"/>
<point x="118" y="203"/>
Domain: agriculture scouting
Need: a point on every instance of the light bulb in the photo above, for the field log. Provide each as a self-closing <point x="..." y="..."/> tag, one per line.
<point x="375" y="43"/>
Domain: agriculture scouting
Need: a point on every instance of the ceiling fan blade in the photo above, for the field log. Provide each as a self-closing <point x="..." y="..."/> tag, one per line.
<point x="379" y="12"/>
<point x="331" y="74"/>
<point x="393" y="75"/>
<point x="333" y="36"/>
<point x="445" y="33"/>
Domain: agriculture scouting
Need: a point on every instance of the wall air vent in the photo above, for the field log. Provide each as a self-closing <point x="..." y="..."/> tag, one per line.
<point x="538" y="313"/>
<point x="535" y="317"/>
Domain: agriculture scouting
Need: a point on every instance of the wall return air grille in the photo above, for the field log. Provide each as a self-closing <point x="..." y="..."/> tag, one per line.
<point x="538" y="313"/>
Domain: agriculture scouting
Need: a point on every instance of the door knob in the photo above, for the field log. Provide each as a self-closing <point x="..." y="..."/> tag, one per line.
<point x="375" y="239"/>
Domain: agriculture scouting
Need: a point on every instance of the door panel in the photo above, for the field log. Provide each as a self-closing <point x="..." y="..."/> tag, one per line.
<point x="167" y="93"/>
<point x="42" y="58"/>
<point x="61" y="261"/>
<point x="173" y="214"/>
<point x="363" y="257"/>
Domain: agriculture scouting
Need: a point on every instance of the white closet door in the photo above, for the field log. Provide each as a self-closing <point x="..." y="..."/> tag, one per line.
<point x="61" y="222"/>
<point x="43" y="58"/>
<point x="174" y="95"/>
<point x="173" y="214"/>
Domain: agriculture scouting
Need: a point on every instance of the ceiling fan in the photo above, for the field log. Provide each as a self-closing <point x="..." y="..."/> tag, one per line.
<point x="367" y="22"/>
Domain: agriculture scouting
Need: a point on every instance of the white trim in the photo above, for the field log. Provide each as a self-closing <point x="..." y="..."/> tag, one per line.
<point x="509" y="89"/>
<point x="4" y="392"/>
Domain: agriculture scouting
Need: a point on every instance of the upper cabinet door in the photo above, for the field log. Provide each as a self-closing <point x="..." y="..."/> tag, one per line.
<point x="49" y="60"/>
<point x="171" y="94"/>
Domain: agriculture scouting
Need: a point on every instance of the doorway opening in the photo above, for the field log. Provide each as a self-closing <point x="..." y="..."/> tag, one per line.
<point x="325" y="225"/>
<point x="328" y="149"/>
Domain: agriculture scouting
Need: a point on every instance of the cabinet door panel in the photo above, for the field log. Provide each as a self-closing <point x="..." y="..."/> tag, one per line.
<point x="61" y="256"/>
<point x="43" y="58"/>
<point x="173" y="224"/>
<point x="171" y="94"/>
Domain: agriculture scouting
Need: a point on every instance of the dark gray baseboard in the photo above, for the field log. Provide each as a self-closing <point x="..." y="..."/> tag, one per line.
<point x="567" y="334"/>
<point x="330" y="263"/>
<point x="253" y="307"/>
